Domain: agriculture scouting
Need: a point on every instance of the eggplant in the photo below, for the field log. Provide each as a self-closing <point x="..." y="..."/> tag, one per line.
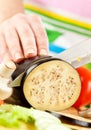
<point x="46" y="83"/>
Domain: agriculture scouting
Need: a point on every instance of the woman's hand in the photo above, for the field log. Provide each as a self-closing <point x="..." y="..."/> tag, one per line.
<point x="22" y="36"/>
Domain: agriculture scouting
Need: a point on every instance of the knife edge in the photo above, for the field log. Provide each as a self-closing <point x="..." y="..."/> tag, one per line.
<point x="80" y="51"/>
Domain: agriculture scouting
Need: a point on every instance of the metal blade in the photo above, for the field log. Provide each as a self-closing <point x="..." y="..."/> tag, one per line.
<point x="77" y="55"/>
<point x="17" y="81"/>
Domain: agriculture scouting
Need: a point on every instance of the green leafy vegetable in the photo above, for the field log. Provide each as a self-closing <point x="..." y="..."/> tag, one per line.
<point x="13" y="115"/>
<point x="10" y="115"/>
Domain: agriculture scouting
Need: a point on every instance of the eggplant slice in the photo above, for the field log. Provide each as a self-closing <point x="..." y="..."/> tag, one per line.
<point x="48" y="83"/>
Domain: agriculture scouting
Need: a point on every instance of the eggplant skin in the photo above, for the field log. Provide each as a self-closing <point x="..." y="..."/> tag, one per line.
<point x="48" y="83"/>
<point x="26" y="64"/>
<point x="52" y="84"/>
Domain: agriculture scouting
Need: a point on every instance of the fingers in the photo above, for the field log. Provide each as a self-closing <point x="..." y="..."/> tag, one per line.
<point x="12" y="42"/>
<point x="40" y="34"/>
<point x="3" y="48"/>
<point x="27" y="39"/>
<point x="23" y="37"/>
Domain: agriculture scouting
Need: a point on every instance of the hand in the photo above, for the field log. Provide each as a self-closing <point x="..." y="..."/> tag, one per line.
<point x="22" y="36"/>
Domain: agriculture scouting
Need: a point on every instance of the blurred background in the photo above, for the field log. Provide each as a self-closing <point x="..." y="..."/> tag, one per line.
<point x="67" y="22"/>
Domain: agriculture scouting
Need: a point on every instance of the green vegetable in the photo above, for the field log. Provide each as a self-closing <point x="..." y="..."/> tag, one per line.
<point x="46" y="121"/>
<point x="10" y="115"/>
<point x="13" y="115"/>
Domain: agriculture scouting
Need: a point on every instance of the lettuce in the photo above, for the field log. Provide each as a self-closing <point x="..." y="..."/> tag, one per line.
<point x="13" y="115"/>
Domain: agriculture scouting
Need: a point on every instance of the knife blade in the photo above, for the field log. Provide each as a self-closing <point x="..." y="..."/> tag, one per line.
<point x="77" y="55"/>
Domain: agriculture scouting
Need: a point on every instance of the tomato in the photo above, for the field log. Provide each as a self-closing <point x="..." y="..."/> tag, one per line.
<point x="85" y="95"/>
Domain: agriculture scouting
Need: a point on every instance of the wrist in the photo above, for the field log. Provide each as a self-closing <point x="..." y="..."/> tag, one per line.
<point x="9" y="8"/>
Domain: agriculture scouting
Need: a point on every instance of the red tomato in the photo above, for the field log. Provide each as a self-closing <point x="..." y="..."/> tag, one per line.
<point x="85" y="95"/>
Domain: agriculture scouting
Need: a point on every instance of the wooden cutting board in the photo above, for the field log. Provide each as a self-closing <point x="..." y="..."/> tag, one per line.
<point x="71" y="118"/>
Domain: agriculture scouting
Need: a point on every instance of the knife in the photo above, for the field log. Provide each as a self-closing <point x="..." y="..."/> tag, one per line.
<point x="77" y="55"/>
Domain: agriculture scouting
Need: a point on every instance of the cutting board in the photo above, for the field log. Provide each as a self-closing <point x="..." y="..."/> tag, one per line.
<point x="71" y="118"/>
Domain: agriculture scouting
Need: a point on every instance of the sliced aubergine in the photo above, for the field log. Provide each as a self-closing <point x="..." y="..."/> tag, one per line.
<point x="49" y="83"/>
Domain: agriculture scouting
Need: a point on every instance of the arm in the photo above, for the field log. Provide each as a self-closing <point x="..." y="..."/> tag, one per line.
<point x="21" y="36"/>
<point x="10" y="7"/>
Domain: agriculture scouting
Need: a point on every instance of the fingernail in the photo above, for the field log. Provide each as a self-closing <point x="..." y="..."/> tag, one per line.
<point x="30" y="51"/>
<point x="43" y="52"/>
<point x="18" y="56"/>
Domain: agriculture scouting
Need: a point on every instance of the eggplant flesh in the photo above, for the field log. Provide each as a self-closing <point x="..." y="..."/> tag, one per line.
<point x="48" y="83"/>
<point x="24" y="65"/>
